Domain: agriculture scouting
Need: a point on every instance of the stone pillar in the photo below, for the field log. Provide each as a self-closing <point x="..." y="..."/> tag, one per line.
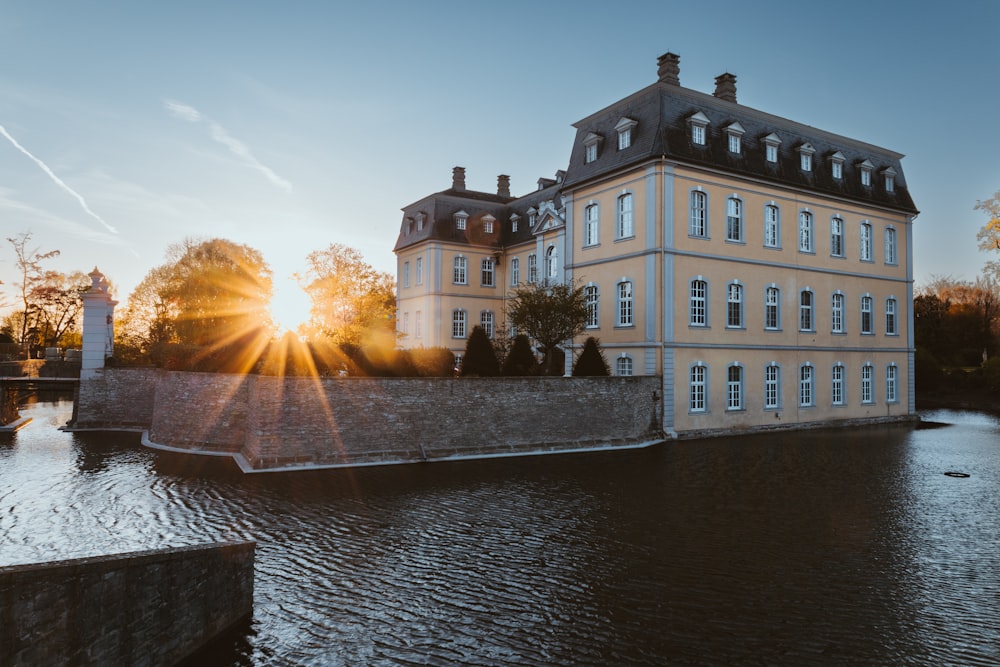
<point x="98" y="324"/>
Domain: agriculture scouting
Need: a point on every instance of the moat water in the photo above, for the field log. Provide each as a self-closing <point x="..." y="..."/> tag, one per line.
<point x="831" y="547"/>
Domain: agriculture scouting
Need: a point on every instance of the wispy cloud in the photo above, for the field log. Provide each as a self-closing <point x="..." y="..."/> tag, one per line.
<point x="55" y="179"/>
<point x="29" y="215"/>
<point x="220" y="135"/>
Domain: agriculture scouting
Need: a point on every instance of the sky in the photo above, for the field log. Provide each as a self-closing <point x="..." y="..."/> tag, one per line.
<point x="126" y="126"/>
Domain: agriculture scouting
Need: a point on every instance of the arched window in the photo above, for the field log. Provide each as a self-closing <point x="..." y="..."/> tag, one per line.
<point x="772" y="386"/>
<point x="734" y="220"/>
<point x="591" y="225"/>
<point x="623" y="365"/>
<point x="734" y="387"/>
<point x="890" y="317"/>
<point x="867" y="382"/>
<point x="837" y="374"/>
<point x="865" y="241"/>
<point x="806" y="302"/>
<point x="626" y="222"/>
<point x="890" y="384"/>
<point x="515" y="271"/>
<point x="772" y="226"/>
<point x="734" y="305"/>
<point x="837" y="236"/>
<point x="592" y="299"/>
<point x="699" y="214"/>
<point x="806" y="232"/>
<point x="772" y="308"/>
<point x="626" y="316"/>
<point x="699" y="303"/>
<point x="890" y="246"/>
<point x="837" y="310"/>
<point x="806" y="389"/>
<point x="698" y="388"/>
<point x="867" y="316"/>
<point x="460" y="271"/>
<point x="551" y="263"/>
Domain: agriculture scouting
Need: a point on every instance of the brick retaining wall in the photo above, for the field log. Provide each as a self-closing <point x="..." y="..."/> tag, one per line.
<point x="146" y="608"/>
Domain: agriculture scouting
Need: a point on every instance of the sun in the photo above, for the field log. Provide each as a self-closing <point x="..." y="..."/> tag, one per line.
<point x="289" y="307"/>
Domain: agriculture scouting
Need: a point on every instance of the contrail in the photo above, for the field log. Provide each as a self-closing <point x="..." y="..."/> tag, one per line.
<point x="55" y="179"/>
<point x="219" y="135"/>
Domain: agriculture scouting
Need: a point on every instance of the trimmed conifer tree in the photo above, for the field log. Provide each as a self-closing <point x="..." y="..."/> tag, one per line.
<point x="591" y="361"/>
<point x="520" y="360"/>
<point x="480" y="358"/>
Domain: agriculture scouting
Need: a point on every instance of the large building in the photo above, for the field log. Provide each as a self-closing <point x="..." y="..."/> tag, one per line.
<point x="760" y="266"/>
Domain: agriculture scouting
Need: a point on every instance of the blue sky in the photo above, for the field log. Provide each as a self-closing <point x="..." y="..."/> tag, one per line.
<point x="128" y="126"/>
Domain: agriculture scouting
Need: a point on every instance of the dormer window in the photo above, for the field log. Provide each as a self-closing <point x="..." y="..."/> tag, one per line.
<point x="532" y="217"/>
<point x="488" y="224"/>
<point x="735" y="133"/>
<point x="806" y="157"/>
<point x="624" y="128"/>
<point x="513" y="222"/>
<point x="409" y="226"/>
<point x="698" y="123"/>
<point x="420" y="221"/>
<point x="890" y="179"/>
<point x="771" y="143"/>
<point x="837" y="165"/>
<point x="866" y="173"/>
<point x="461" y="218"/>
<point x="591" y="145"/>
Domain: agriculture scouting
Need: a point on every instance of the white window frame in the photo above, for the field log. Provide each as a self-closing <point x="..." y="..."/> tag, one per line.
<point x="592" y="299"/>
<point x="698" y="388"/>
<point x="807" y="242"/>
<point x="461" y="220"/>
<point x="891" y="387"/>
<point x="460" y="270"/>
<point x="867" y="322"/>
<point x="532" y="268"/>
<point x="735" y="143"/>
<point x="698" y="226"/>
<point x="772" y="386"/>
<point x="838" y="313"/>
<point x="551" y="263"/>
<point x="891" y="247"/>
<point x="459" y="321"/>
<point x="734" y="219"/>
<point x="735" y="298"/>
<point x="807" y="385"/>
<point x="515" y="271"/>
<point x="487" y="320"/>
<point x="837" y="384"/>
<point x="624" y="366"/>
<point x="865" y="242"/>
<point x="591" y="148"/>
<point x="625" y="304"/>
<point x="891" y="319"/>
<point x="625" y="227"/>
<point x="488" y="272"/>
<point x="771" y="144"/>
<point x="698" y="302"/>
<point x="867" y="383"/>
<point x="807" y="311"/>
<point x="420" y="270"/>
<point x="591" y="224"/>
<point x="806" y="157"/>
<point x="836" y="236"/>
<point x="624" y="129"/>
<point x="406" y="274"/>
<point x="734" y="387"/>
<point x="772" y="225"/>
<point x="772" y="308"/>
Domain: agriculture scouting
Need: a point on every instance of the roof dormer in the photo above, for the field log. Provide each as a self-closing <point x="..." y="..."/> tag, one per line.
<point x="865" y="168"/>
<point x="889" y="174"/>
<point x="698" y="122"/>
<point x="734" y="134"/>
<point x="591" y="147"/>
<point x="837" y="165"/>
<point x="771" y="144"/>
<point x="806" y="152"/>
<point x="461" y="219"/>
<point x="625" y="128"/>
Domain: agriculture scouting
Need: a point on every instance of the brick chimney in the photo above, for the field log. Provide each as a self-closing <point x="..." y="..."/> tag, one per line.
<point x="458" y="179"/>
<point x="503" y="186"/>
<point x="668" y="68"/>
<point x="725" y="87"/>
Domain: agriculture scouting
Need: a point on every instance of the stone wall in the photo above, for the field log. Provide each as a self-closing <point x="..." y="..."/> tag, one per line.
<point x="270" y="422"/>
<point x="45" y="368"/>
<point x="146" y="608"/>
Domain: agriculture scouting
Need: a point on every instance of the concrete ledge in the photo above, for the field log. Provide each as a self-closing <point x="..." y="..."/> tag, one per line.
<point x="15" y="425"/>
<point x="148" y="607"/>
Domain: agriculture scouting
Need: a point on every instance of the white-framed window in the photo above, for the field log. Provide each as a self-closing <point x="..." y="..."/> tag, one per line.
<point x="532" y="217"/>
<point x="592" y="297"/>
<point x="405" y="324"/>
<point x="623" y="365"/>
<point x="699" y="303"/>
<point x="488" y="224"/>
<point x="590" y="152"/>
<point x="735" y="143"/>
<point x="838" y="309"/>
<point x="461" y="219"/>
<point x="515" y="271"/>
<point x="890" y="317"/>
<point x="807" y="376"/>
<point x="806" y="157"/>
<point x="698" y="388"/>
<point x="890" y="384"/>
<point x="837" y="384"/>
<point x="458" y="321"/>
<point x="532" y="268"/>
<point x="420" y="221"/>
<point x="734" y="305"/>
<point x="865" y="241"/>
<point x="418" y="324"/>
<point x="626" y="222"/>
<point x="514" y="219"/>
<point x="420" y="270"/>
<point x="406" y="274"/>
<point x="805" y="231"/>
<point x="772" y="386"/>
<point x="486" y="321"/>
<point x="837" y="236"/>
<point x="867" y="380"/>
<point x="866" y="173"/>
<point x="807" y="302"/>
<point x="734" y="219"/>
<point x="772" y="226"/>
<point x="867" y="316"/>
<point x="591" y="224"/>
<point x="625" y="127"/>
<point x="699" y="214"/>
<point x="625" y="306"/>
<point x="837" y="170"/>
<point x="460" y="271"/>
<point x="771" y="143"/>
<point x="772" y="308"/>
<point x="734" y="387"/>
<point x="890" y="179"/>
<point x="891" y="254"/>
<point x="551" y="263"/>
<point x="488" y="272"/>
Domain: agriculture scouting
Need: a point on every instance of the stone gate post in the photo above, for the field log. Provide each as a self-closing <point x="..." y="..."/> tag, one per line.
<point x="98" y="324"/>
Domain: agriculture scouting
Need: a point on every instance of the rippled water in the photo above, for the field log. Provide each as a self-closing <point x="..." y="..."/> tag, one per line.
<point x="832" y="547"/>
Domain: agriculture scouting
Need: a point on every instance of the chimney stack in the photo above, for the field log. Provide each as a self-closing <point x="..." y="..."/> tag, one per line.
<point x="725" y="87"/>
<point x="503" y="186"/>
<point x="458" y="179"/>
<point x="668" y="68"/>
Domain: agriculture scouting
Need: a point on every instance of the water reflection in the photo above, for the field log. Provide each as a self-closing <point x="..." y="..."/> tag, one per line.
<point x="826" y="547"/>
